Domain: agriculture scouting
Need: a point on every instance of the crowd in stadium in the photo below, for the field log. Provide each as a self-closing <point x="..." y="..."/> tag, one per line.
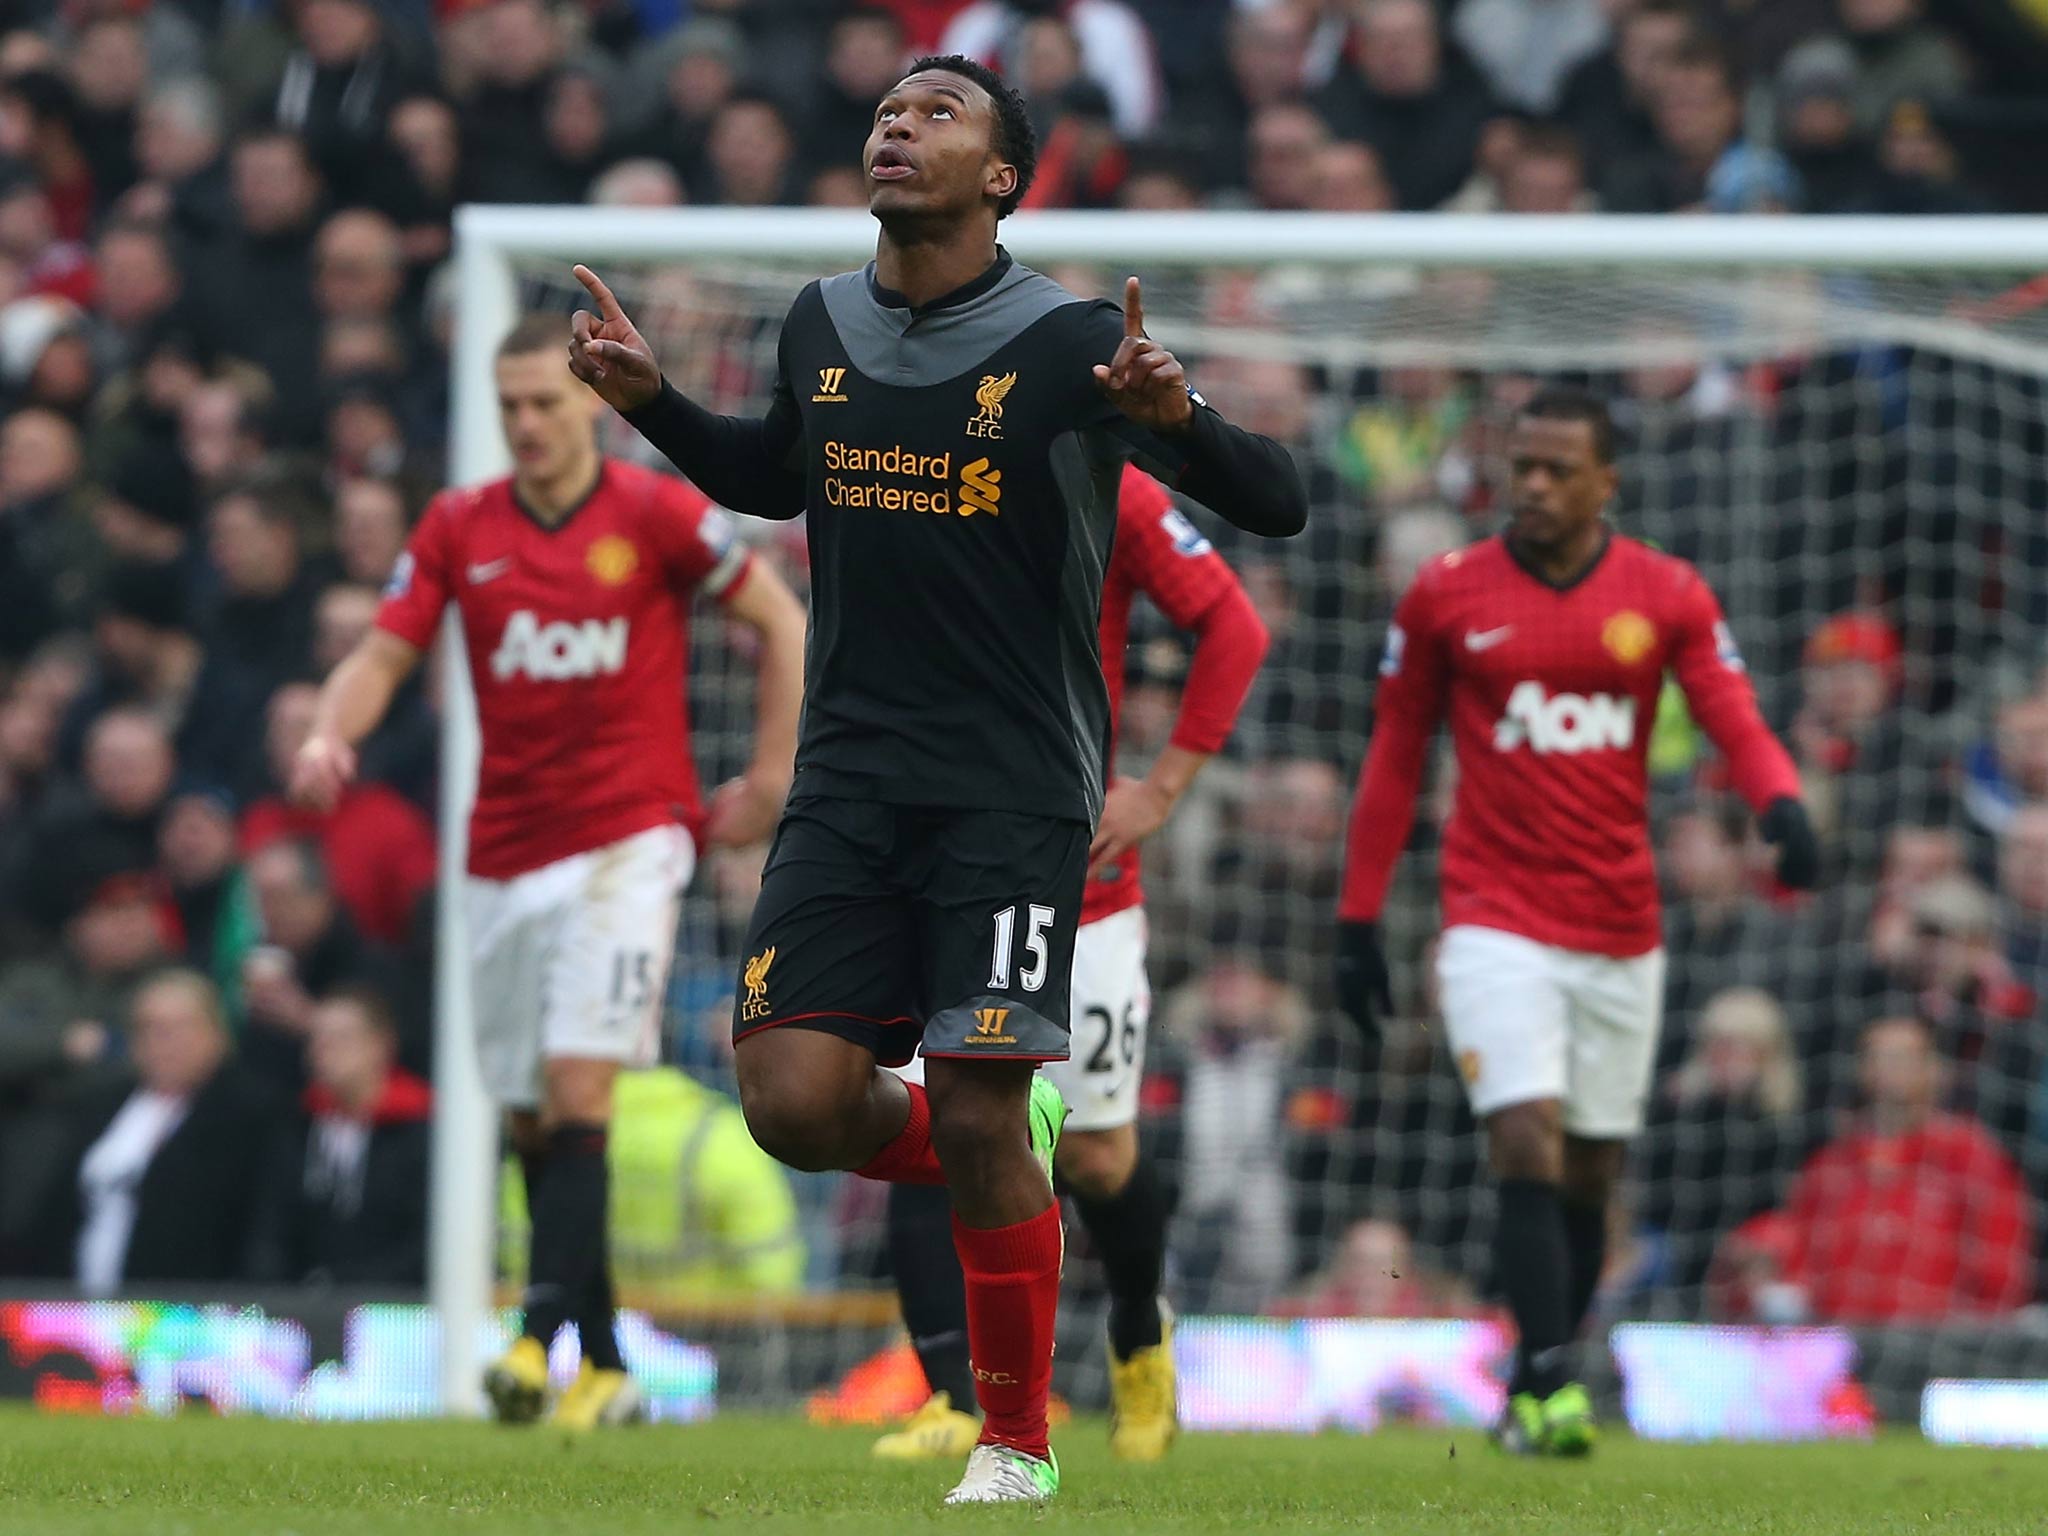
<point x="223" y="372"/>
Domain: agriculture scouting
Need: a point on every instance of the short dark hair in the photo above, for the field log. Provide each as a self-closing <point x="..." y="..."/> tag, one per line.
<point x="1013" y="137"/>
<point x="372" y="1004"/>
<point x="48" y="96"/>
<point x="1553" y="141"/>
<point x="536" y="333"/>
<point x="1568" y="402"/>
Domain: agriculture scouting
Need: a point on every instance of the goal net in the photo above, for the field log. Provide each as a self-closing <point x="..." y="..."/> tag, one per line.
<point x="1841" y="424"/>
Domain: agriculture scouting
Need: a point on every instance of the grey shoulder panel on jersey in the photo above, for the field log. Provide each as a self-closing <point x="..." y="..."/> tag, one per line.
<point x="888" y="346"/>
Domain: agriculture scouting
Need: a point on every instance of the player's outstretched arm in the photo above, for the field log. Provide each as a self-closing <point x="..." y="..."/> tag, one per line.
<point x="741" y="462"/>
<point x="1710" y="670"/>
<point x="1200" y="593"/>
<point x="745" y="811"/>
<point x="353" y="702"/>
<point x="1246" y="479"/>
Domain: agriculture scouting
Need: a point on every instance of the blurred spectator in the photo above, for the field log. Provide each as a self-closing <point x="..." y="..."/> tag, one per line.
<point x="1285" y="144"/>
<point x="1717" y="930"/>
<point x="864" y="55"/>
<point x="1726" y="1130"/>
<point x="144" y="653"/>
<point x="337" y="88"/>
<point x="698" y="1211"/>
<point x="1607" y="101"/>
<point x="49" y="266"/>
<point x="1900" y="56"/>
<point x="221" y="436"/>
<point x="346" y="1201"/>
<point x="252" y="289"/>
<point x="580" y="133"/>
<point x="1527" y="48"/>
<point x="426" y="182"/>
<point x="138" y="284"/>
<point x="46" y="554"/>
<point x="1266" y="54"/>
<point x="369" y="529"/>
<point x="699" y="66"/>
<point x="1116" y="49"/>
<point x="747" y="157"/>
<point x="1374" y="1274"/>
<point x="197" y="851"/>
<point x="1349" y="178"/>
<point x="109" y="71"/>
<point x="60" y="1016"/>
<point x="358" y="264"/>
<point x="2023" y="887"/>
<point x="645" y="182"/>
<point x="1701" y="159"/>
<point x="309" y="949"/>
<point x="1818" y="129"/>
<point x="107" y="825"/>
<point x="505" y="154"/>
<point x="178" y="140"/>
<point x="1547" y="174"/>
<point x="160" y="1187"/>
<point x="1234" y="1236"/>
<point x="261" y="631"/>
<point x="1910" y="1216"/>
<point x="1419" y="106"/>
<point x="40" y="118"/>
<point x="379" y="849"/>
<point x="1856" y="752"/>
<point x="1081" y="164"/>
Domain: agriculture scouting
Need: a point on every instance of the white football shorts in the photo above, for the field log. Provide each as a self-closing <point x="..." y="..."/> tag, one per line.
<point x="572" y="959"/>
<point x="1530" y="1021"/>
<point x="1111" y="1013"/>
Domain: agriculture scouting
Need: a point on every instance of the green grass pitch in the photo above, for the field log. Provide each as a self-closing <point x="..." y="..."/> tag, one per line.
<point x="211" y="1477"/>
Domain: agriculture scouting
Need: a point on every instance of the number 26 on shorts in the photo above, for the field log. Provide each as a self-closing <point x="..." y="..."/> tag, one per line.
<point x="1036" y="920"/>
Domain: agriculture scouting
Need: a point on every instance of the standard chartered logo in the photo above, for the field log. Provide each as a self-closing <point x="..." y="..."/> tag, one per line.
<point x="1564" y="722"/>
<point x="980" y="488"/>
<point x="895" y="479"/>
<point x="558" y="652"/>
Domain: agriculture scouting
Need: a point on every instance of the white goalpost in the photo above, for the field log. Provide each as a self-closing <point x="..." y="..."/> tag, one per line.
<point x="1384" y="342"/>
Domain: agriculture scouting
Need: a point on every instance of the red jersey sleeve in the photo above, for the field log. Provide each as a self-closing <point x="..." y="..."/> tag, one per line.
<point x="1171" y="563"/>
<point x="423" y="580"/>
<point x="1414" y="679"/>
<point x="1710" y="669"/>
<point x="699" y="547"/>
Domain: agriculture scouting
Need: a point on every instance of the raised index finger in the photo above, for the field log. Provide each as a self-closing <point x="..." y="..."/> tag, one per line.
<point x="1134" y="309"/>
<point x="607" y="305"/>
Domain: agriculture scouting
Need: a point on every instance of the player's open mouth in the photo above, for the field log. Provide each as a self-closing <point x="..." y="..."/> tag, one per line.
<point x="891" y="164"/>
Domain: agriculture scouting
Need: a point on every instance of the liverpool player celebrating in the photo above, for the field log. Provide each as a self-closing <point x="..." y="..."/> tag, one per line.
<point x="573" y="580"/>
<point x="956" y="425"/>
<point x="1157" y="552"/>
<point x="1547" y="647"/>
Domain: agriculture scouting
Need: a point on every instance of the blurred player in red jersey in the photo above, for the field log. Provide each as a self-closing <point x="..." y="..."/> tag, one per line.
<point x="573" y="579"/>
<point x="1547" y="647"/>
<point x="1157" y="552"/>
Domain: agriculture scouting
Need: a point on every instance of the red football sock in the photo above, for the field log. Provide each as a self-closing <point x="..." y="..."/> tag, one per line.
<point x="909" y="1158"/>
<point x="1013" y="1294"/>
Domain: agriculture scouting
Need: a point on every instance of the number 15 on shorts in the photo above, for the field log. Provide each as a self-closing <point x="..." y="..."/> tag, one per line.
<point x="1032" y="977"/>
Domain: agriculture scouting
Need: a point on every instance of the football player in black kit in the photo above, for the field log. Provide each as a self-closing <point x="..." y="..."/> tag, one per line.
<point x="955" y="424"/>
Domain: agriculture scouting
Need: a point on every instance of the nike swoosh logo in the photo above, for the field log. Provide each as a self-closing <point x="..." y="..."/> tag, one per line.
<point x="1487" y="639"/>
<point x="489" y="570"/>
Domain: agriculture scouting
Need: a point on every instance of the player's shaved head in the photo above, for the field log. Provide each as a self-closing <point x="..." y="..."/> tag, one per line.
<point x="535" y="333"/>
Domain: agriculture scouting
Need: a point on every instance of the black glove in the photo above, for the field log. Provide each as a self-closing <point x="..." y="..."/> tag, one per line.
<point x="1785" y="827"/>
<point x="1363" y="990"/>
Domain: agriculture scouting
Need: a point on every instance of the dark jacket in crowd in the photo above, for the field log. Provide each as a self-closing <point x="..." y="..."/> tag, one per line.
<point x="196" y="1209"/>
<point x="347" y="1201"/>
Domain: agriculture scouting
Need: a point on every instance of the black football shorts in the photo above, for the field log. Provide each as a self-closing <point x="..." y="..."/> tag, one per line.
<point x="889" y="925"/>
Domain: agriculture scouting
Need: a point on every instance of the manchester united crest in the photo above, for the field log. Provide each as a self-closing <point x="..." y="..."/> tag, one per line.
<point x="612" y="560"/>
<point x="1629" y="637"/>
